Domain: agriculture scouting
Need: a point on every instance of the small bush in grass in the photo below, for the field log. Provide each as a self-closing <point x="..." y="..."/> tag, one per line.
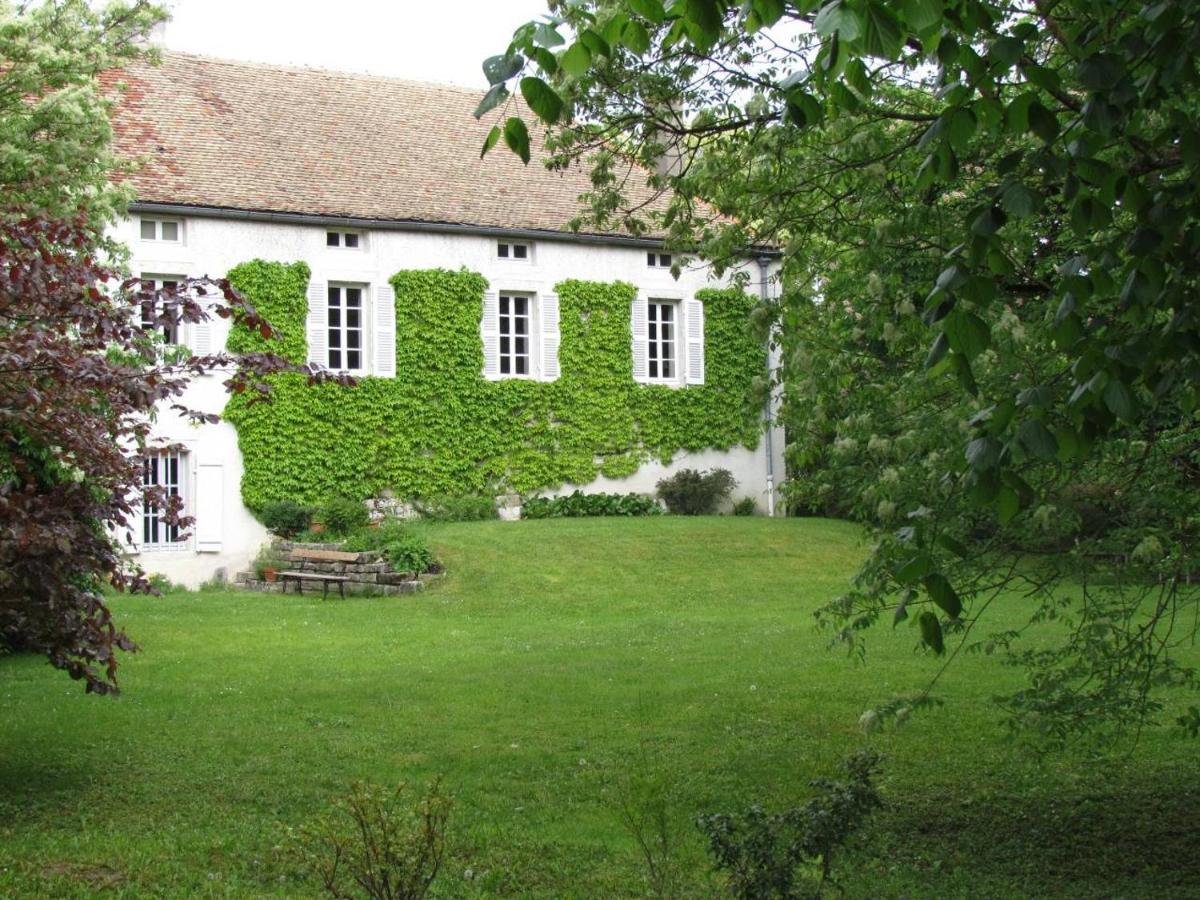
<point x="692" y="493"/>
<point x="745" y="507"/>
<point x="375" y="842"/>
<point x="457" y="509"/>
<point x="409" y="554"/>
<point x="343" y="515"/>
<point x="765" y="854"/>
<point x="286" y="518"/>
<point x="403" y="548"/>
<point x="579" y="504"/>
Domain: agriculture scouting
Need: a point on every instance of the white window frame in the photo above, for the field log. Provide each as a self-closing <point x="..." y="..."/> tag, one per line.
<point x="157" y="224"/>
<point x="155" y="535"/>
<point x="342" y="234"/>
<point x="156" y="282"/>
<point x="655" y="342"/>
<point x="532" y="330"/>
<point x="342" y="329"/>
<point x="506" y="251"/>
<point x="658" y="260"/>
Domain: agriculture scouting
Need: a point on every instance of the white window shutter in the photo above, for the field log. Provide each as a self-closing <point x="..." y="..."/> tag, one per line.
<point x="637" y="324"/>
<point x="694" y="316"/>
<point x="385" y="331"/>
<point x="317" y="324"/>
<point x="489" y="330"/>
<point x="200" y="337"/>
<point x="548" y="305"/>
<point x="210" y="506"/>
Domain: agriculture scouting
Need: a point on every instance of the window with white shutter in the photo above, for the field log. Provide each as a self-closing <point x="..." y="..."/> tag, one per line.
<point x="489" y="331"/>
<point x="210" y="506"/>
<point x="637" y="327"/>
<point x="549" y="315"/>
<point x="315" y="325"/>
<point x="384" y="331"/>
<point x="693" y="314"/>
<point x="167" y="470"/>
<point x="152" y="309"/>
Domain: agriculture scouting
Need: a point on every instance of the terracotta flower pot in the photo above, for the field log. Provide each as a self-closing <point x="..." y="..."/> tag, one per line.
<point x="270" y="574"/>
<point x="317" y="527"/>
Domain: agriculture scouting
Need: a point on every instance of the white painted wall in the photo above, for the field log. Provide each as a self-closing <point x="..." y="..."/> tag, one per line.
<point x="212" y="246"/>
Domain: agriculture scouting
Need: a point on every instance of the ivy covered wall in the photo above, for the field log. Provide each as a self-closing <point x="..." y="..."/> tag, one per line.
<point x="440" y="428"/>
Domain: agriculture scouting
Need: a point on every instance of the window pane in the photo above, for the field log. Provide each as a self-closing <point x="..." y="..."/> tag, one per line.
<point x="521" y="251"/>
<point x="651" y="259"/>
<point x="665" y="313"/>
<point x="522" y="325"/>
<point x="505" y="324"/>
<point x="351" y="240"/>
<point x="335" y="317"/>
<point x="505" y="346"/>
<point x="353" y="338"/>
<point x="335" y="359"/>
<point x="353" y="296"/>
<point x="664" y="260"/>
<point x="353" y="359"/>
<point x="170" y="285"/>
<point x="170" y="231"/>
<point x="653" y="368"/>
<point x="522" y="365"/>
<point x="352" y="317"/>
<point x="505" y="366"/>
<point x="668" y="368"/>
<point x="333" y="239"/>
<point x="335" y="338"/>
<point x="522" y="346"/>
<point x="503" y="305"/>
<point x="335" y="296"/>
<point x="522" y="305"/>
<point x="502" y="251"/>
<point x="148" y="315"/>
<point x="148" y="229"/>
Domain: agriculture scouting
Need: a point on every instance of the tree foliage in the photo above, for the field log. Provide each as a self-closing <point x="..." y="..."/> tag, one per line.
<point x="83" y="373"/>
<point x="81" y="377"/>
<point x="990" y="219"/>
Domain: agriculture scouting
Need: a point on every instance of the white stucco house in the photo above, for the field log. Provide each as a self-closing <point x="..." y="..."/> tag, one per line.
<point x="360" y="177"/>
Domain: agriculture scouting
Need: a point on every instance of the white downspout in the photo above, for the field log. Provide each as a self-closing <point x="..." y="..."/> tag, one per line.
<point x="764" y="268"/>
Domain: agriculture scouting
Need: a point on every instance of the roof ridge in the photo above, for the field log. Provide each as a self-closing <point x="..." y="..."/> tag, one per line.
<point x="302" y="68"/>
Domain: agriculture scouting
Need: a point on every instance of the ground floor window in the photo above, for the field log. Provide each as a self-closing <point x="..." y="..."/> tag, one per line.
<point x="166" y="470"/>
<point x="345" y="328"/>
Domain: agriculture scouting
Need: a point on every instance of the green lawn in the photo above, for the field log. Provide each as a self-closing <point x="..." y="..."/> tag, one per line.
<point x="557" y="658"/>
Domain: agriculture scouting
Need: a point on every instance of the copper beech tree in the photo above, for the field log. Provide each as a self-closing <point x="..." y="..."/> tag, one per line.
<point x="82" y="378"/>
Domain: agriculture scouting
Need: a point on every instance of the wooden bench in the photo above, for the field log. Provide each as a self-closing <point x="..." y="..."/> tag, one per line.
<point x="299" y="575"/>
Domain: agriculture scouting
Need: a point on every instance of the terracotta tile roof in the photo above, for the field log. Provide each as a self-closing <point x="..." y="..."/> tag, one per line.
<point x="262" y="137"/>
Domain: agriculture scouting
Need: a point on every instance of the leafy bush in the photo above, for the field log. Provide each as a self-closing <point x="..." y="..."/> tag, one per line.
<point x="692" y="493"/>
<point x="471" y="508"/>
<point x="367" y="539"/>
<point x="286" y="518"/>
<point x="745" y="507"/>
<point x="763" y="852"/>
<point x="579" y="504"/>
<point x="374" y="842"/>
<point x="409" y="554"/>
<point x="343" y="515"/>
<point x="403" y="548"/>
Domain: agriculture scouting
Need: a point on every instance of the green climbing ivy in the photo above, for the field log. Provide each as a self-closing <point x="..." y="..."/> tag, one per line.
<point x="279" y="293"/>
<point x="439" y="427"/>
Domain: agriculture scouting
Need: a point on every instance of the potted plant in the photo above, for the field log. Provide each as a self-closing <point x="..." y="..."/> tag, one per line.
<point x="266" y="566"/>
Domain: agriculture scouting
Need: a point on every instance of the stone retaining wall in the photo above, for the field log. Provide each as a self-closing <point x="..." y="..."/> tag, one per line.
<point x="367" y="574"/>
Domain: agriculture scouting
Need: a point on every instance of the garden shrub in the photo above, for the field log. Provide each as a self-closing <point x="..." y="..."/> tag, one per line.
<point x="342" y="515"/>
<point x="409" y="554"/>
<point x="692" y="493"/>
<point x="457" y="509"/>
<point x="579" y="504"/>
<point x="403" y="548"/>
<point x="375" y="843"/>
<point x="745" y="507"/>
<point x="764" y="854"/>
<point x="286" y="518"/>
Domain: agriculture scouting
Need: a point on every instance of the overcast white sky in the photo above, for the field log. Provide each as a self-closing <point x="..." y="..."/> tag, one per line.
<point x="418" y="39"/>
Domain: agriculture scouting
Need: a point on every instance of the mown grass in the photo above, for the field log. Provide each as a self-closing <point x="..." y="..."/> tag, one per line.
<point x="556" y="659"/>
